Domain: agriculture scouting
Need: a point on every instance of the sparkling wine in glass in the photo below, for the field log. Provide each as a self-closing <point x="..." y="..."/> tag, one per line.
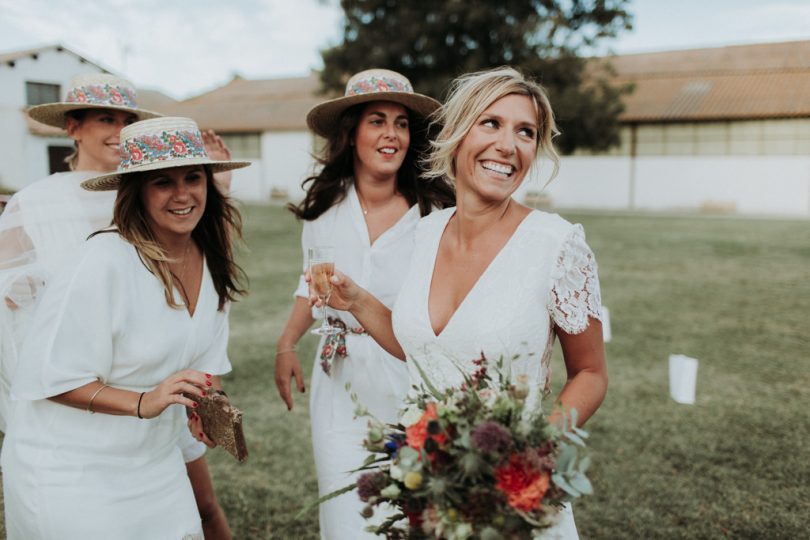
<point x="321" y="269"/>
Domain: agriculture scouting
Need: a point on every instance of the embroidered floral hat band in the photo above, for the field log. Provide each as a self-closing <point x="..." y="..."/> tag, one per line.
<point x="92" y="91"/>
<point x="159" y="143"/>
<point x="369" y="85"/>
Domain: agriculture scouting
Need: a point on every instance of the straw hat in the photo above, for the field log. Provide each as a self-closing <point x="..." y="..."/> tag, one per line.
<point x="159" y="143"/>
<point x="369" y="85"/>
<point x="92" y="91"/>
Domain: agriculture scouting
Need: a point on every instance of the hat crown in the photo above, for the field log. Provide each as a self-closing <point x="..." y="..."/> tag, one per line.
<point x="372" y="81"/>
<point x="162" y="139"/>
<point x="102" y="89"/>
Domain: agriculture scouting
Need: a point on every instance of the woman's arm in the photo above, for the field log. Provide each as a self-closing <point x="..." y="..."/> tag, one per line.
<point x="99" y="397"/>
<point x="287" y="363"/>
<point x="367" y="309"/>
<point x="584" y="355"/>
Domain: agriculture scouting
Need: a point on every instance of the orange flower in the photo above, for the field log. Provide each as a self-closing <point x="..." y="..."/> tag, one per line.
<point x="417" y="433"/>
<point x="523" y="485"/>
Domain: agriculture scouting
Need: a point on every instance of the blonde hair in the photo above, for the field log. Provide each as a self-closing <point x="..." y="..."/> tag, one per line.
<point x="470" y="95"/>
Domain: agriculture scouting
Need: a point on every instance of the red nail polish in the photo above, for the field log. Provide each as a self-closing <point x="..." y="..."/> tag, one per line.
<point x="207" y="375"/>
<point x="201" y="434"/>
<point x="208" y="383"/>
<point x="194" y="404"/>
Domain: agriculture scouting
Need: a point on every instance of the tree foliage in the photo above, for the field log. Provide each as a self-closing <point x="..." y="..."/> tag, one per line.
<point x="433" y="41"/>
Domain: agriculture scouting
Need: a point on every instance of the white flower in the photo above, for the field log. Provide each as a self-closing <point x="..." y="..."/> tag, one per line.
<point x="390" y="491"/>
<point x="410" y="415"/>
<point x="396" y="473"/>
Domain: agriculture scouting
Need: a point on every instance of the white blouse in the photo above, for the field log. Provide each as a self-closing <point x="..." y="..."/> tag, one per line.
<point x="107" y="318"/>
<point x="379" y="268"/>
<point x="41" y="229"/>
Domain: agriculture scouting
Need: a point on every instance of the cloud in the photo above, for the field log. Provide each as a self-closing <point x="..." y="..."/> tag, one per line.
<point x="179" y="48"/>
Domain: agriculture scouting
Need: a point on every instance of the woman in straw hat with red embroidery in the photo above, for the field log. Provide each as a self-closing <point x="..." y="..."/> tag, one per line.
<point x="140" y="319"/>
<point x="365" y="203"/>
<point x="46" y="222"/>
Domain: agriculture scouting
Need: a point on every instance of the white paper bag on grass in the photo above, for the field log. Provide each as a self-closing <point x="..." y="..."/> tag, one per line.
<point x="682" y="378"/>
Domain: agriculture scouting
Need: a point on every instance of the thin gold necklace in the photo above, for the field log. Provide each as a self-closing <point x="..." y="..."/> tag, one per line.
<point x="364" y="206"/>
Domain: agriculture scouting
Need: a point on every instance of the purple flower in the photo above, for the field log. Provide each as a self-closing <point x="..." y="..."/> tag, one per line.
<point x="370" y="484"/>
<point x="490" y="436"/>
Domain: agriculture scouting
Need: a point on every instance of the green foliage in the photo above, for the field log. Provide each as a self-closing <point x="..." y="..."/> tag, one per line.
<point x="433" y="42"/>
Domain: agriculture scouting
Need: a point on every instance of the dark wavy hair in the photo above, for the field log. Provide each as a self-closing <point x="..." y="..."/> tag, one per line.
<point x="220" y="223"/>
<point x="329" y="186"/>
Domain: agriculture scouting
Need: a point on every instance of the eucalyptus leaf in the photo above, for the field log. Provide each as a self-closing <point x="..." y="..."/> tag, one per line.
<point x="581" y="483"/>
<point x="567" y="455"/>
<point x="560" y="481"/>
<point x="579" y="431"/>
<point x="584" y="464"/>
<point x="573" y="437"/>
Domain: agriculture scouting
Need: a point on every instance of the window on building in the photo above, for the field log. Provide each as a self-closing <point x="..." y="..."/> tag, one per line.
<point x="243" y="145"/>
<point x="39" y="93"/>
<point x="56" y="158"/>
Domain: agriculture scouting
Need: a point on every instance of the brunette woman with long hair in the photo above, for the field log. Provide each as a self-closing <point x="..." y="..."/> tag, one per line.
<point x="137" y="322"/>
<point x="365" y="203"/>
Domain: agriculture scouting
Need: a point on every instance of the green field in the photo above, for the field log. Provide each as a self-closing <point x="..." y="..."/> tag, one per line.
<point x="734" y="293"/>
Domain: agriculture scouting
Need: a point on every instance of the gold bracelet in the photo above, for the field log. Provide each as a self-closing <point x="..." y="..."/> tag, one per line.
<point x="282" y="351"/>
<point x="90" y="403"/>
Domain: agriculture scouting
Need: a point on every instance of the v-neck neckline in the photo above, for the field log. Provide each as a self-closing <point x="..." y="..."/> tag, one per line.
<point x="199" y="292"/>
<point x="478" y="281"/>
<point x="362" y="226"/>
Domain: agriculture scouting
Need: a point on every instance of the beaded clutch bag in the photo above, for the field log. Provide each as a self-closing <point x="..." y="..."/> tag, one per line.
<point x="222" y="423"/>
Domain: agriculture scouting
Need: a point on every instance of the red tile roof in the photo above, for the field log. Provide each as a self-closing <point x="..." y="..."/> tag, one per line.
<point x="770" y="80"/>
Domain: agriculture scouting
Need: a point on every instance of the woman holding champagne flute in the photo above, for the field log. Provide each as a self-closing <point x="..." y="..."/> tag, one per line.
<point x="492" y="277"/>
<point x="363" y="207"/>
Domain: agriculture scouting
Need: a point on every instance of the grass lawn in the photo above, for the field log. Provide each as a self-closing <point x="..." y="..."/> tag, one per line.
<point x="734" y="293"/>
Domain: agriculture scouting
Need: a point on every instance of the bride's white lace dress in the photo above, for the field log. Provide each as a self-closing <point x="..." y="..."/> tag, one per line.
<point x="545" y="275"/>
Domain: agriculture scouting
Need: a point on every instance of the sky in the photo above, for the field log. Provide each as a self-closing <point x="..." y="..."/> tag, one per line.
<point x="187" y="48"/>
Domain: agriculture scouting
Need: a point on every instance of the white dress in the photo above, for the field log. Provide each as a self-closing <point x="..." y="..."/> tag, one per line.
<point x="71" y="474"/>
<point x="380" y="380"/>
<point x="41" y="230"/>
<point x="545" y="275"/>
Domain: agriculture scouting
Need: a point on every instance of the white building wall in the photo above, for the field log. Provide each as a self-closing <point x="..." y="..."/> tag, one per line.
<point x="286" y="161"/>
<point x="765" y="185"/>
<point x="24" y="157"/>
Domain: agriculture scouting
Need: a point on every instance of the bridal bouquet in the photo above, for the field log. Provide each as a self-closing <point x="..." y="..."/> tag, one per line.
<point x="471" y="462"/>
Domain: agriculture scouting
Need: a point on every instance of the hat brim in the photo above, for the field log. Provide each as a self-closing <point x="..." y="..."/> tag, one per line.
<point x="53" y="114"/>
<point x="324" y="119"/>
<point x="109" y="182"/>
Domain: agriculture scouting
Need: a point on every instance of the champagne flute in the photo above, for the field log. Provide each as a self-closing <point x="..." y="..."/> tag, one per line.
<point x="321" y="269"/>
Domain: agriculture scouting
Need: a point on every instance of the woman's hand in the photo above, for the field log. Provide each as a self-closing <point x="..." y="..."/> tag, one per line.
<point x="287" y="367"/>
<point x="195" y="426"/>
<point x="345" y="292"/>
<point x="171" y="390"/>
<point x="217" y="150"/>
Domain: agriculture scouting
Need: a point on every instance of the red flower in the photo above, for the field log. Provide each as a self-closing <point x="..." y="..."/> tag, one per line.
<point x="179" y="148"/>
<point x="523" y="485"/>
<point x="327" y="351"/>
<point x="116" y="97"/>
<point x="341" y="350"/>
<point x="417" y="433"/>
<point x="135" y="153"/>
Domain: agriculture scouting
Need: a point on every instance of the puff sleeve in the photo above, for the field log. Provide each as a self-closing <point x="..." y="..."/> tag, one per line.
<point x="70" y="341"/>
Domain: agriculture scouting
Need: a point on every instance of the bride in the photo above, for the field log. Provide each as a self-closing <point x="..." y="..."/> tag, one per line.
<point x="492" y="275"/>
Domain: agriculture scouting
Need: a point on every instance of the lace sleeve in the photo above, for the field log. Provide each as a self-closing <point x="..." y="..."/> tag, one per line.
<point x="575" y="294"/>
